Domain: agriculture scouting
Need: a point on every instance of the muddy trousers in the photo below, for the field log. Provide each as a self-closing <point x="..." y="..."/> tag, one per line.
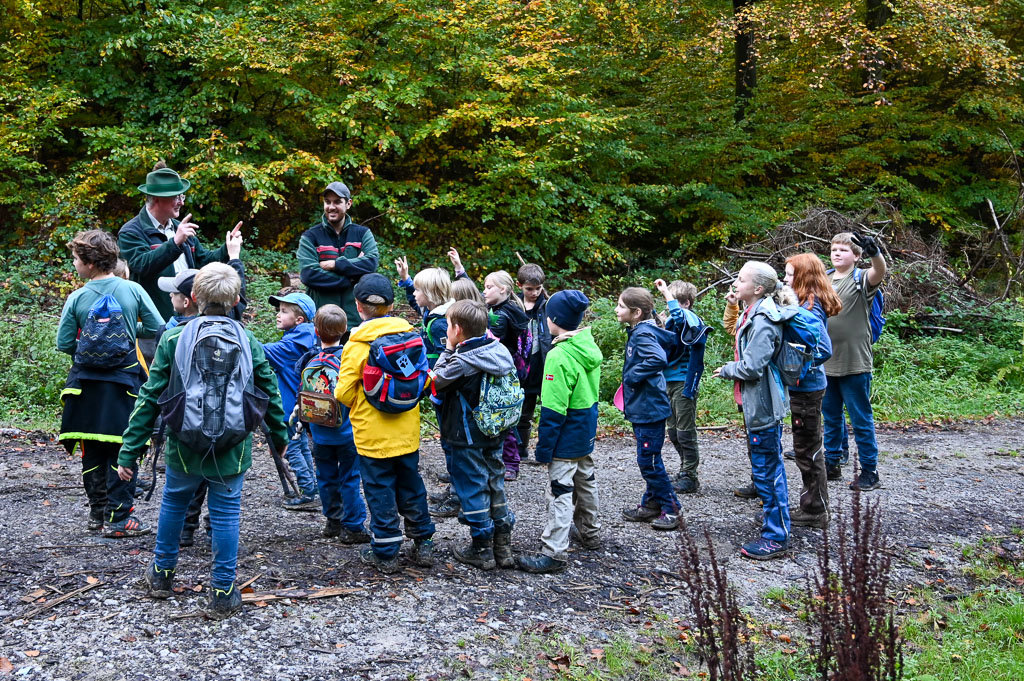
<point x="109" y="496"/>
<point x="810" y="451"/>
<point x="571" y="498"/>
<point x="682" y="428"/>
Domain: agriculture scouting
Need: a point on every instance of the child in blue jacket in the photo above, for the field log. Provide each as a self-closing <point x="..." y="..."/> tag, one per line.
<point x="764" y="399"/>
<point x="295" y="312"/>
<point x="646" y="405"/>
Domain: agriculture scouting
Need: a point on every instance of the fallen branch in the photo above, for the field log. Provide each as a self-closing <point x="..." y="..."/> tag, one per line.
<point x="950" y="329"/>
<point x="301" y="595"/>
<point x="56" y="601"/>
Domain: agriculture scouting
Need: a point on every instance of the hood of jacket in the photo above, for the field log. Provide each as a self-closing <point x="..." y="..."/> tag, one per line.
<point x="581" y="347"/>
<point x="372" y="329"/>
<point x="664" y="337"/>
<point x="486" y="355"/>
<point x="516" y="315"/>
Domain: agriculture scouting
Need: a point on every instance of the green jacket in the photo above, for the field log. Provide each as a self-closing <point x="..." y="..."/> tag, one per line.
<point x="568" y="395"/>
<point x="236" y="460"/>
<point x="150" y="255"/>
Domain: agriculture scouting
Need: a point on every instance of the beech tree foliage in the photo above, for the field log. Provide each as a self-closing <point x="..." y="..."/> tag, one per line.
<point x="576" y="132"/>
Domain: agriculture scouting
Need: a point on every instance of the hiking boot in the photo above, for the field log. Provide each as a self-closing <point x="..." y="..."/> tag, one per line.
<point x="449" y="508"/>
<point x="224" y="603"/>
<point x="187" y="538"/>
<point x="641" y="514"/>
<point x="444" y="476"/>
<point x="388" y="566"/>
<point x="95" y="520"/>
<point x="306" y="502"/>
<point x="158" y="582"/>
<point x="588" y="543"/>
<point x="540" y="564"/>
<point x="511" y="475"/>
<point x="801" y="518"/>
<point x="866" y="481"/>
<point x="834" y="471"/>
<point x="347" y="536"/>
<point x="746" y="492"/>
<point x="438" y="497"/>
<point x="685" y="484"/>
<point x="477" y="553"/>
<point x="503" y="557"/>
<point x="422" y="552"/>
<point x="332" y="529"/>
<point x="666" y="521"/>
<point x="789" y="454"/>
<point x="129" y="527"/>
<point x="764" y="549"/>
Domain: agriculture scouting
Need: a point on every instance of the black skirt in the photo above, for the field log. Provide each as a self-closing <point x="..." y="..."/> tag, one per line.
<point x="96" y="409"/>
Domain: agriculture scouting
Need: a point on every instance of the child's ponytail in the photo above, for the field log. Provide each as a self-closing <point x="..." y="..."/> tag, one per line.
<point x="504" y="279"/>
<point x="637" y="298"/>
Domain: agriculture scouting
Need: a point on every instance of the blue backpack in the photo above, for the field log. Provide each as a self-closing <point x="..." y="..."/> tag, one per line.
<point x="104" y="342"/>
<point x="396" y="372"/>
<point x="875" y="317"/>
<point x="801" y="348"/>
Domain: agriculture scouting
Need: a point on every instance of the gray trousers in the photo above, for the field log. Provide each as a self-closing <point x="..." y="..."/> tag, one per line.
<point x="572" y="498"/>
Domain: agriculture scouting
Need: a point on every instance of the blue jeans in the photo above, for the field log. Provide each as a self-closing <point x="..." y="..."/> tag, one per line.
<point x="769" y="476"/>
<point x="393" y="486"/>
<point x="337" y="479"/>
<point x="855" y="393"/>
<point x="301" y="461"/>
<point x="224" y="503"/>
<point x="659" y="493"/>
<point x="478" y="476"/>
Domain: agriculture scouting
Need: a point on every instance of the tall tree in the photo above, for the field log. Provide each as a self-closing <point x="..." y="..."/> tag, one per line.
<point x="745" y="57"/>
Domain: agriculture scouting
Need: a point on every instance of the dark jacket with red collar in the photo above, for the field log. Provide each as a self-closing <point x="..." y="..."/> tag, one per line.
<point x="354" y="252"/>
<point x="151" y="255"/>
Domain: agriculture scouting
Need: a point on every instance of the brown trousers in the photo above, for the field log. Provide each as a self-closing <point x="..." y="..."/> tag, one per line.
<point x="810" y="450"/>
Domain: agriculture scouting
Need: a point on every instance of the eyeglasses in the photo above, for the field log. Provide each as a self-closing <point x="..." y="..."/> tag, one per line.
<point x="180" y="198"/>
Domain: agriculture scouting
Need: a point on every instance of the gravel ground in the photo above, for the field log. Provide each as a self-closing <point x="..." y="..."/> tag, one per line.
<point x="944" y="486"/>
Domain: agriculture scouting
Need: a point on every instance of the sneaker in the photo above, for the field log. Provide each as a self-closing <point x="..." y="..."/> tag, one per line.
<point x="764" y="549"/>
<point x="511" y="475"/>
<point x="449" y="508"/>
<point x="307" y="502"/>
<point x="187" y="538"/>
<point x="224" y="603"/>
<point x="95" y="520"/>
<point x="332" y="529"/>
<point x="789" y="454"/>
<point x="347" y="536"/>
<point x="129" y="527"/>
<point x="540" y="564"/>
<point x="746" y="492"/>
<point x="801" y="518"/>
<point x="666" y="521"/>
<point x="388" y="566"/>
<point x="834" y="472"/>
<point x="158" y="582"/>
<point x="477" y="553"/>
<point x="684" y="484"/>
<point x="422" y="552"/>
<point x="866" y="481"/>
<point x="588" y="543"/>
<point x="641" y="514"/>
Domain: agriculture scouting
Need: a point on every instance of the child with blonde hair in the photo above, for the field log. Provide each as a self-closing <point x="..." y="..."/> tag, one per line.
<point x="765" y="401"/>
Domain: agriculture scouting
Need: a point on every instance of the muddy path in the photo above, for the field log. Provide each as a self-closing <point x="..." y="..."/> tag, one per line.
<point x="944" y="487"/>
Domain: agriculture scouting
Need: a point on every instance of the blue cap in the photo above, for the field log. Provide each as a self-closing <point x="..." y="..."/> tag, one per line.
<point x="300" y="299"/>
<point x="566" y="309"/>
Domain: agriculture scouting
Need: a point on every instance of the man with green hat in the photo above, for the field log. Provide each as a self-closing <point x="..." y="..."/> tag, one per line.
<point x="156" y="244"/>
<point x="334" y="253"/>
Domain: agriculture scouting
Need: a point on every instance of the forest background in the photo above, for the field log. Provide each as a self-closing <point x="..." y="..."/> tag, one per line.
<point x="610" y="141"/>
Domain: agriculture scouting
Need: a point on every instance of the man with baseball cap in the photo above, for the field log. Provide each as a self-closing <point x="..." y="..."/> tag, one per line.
<point x="335" y="253"/>
<point x="156" y="244"/>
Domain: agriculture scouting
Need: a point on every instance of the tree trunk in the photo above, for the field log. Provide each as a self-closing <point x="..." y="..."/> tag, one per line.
<point x="877" y="13"/>
<point x="745" y="62"/>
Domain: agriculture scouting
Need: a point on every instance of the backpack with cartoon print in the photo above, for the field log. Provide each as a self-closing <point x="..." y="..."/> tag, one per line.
<point x="317" y="404"/>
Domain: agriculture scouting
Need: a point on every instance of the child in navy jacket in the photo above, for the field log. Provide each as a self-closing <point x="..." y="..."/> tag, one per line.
<point x="647" y="405"/>
<point x="535" y="298"/>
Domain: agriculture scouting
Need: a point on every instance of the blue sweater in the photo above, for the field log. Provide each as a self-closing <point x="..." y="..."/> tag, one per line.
<point x="688" y="367"/>
<point x="283" y="355"/>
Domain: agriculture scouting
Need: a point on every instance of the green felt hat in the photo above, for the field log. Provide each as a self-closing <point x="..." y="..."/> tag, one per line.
<point x="164" y="182"/>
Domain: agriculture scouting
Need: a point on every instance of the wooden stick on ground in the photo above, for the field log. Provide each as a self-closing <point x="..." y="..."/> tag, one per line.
<point x="56" y="601"/>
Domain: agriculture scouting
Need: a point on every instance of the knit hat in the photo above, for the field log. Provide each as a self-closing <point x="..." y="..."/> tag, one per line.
<point x="374" y="289"/>
<point x="566" y="309"/>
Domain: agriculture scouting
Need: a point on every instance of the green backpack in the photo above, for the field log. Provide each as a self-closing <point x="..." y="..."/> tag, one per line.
<point x="501" y="404"/>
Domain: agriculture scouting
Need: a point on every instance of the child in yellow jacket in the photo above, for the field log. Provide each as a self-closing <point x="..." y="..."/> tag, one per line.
<point x="388" y="444"/>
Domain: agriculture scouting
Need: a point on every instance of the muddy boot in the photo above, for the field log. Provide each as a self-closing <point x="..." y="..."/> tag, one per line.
<point x="478" y="554"/>
<point x="503" y="549"/>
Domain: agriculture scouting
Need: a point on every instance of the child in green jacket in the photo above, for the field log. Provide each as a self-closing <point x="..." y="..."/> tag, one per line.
<point x="216" y="290"/>
<point x="567" y="431"/>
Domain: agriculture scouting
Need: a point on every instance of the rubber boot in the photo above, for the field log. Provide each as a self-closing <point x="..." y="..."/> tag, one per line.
<point x="503" y="549"/>
<point x="479" y="554"/>
<point x="95" y="483"/>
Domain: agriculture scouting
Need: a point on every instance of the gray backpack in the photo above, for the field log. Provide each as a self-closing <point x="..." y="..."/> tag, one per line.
<point x="211" y="402"/>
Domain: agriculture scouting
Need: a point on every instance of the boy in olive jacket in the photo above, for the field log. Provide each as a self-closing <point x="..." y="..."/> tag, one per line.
<point x="216" y="290"/>
<point x="567" y="431"/>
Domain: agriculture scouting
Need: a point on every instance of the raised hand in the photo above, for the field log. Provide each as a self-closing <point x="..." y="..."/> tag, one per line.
<point x="867" y="244"/>
<point x="453" y="255"/>
<point x="402" y="265"/>
<point x="662" y="288"/>
<point x="233" y="241"/>
<point x="186" y="229"/>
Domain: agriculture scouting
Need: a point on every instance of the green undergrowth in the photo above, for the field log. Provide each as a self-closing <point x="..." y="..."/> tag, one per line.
<point x="917" y="376"/>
